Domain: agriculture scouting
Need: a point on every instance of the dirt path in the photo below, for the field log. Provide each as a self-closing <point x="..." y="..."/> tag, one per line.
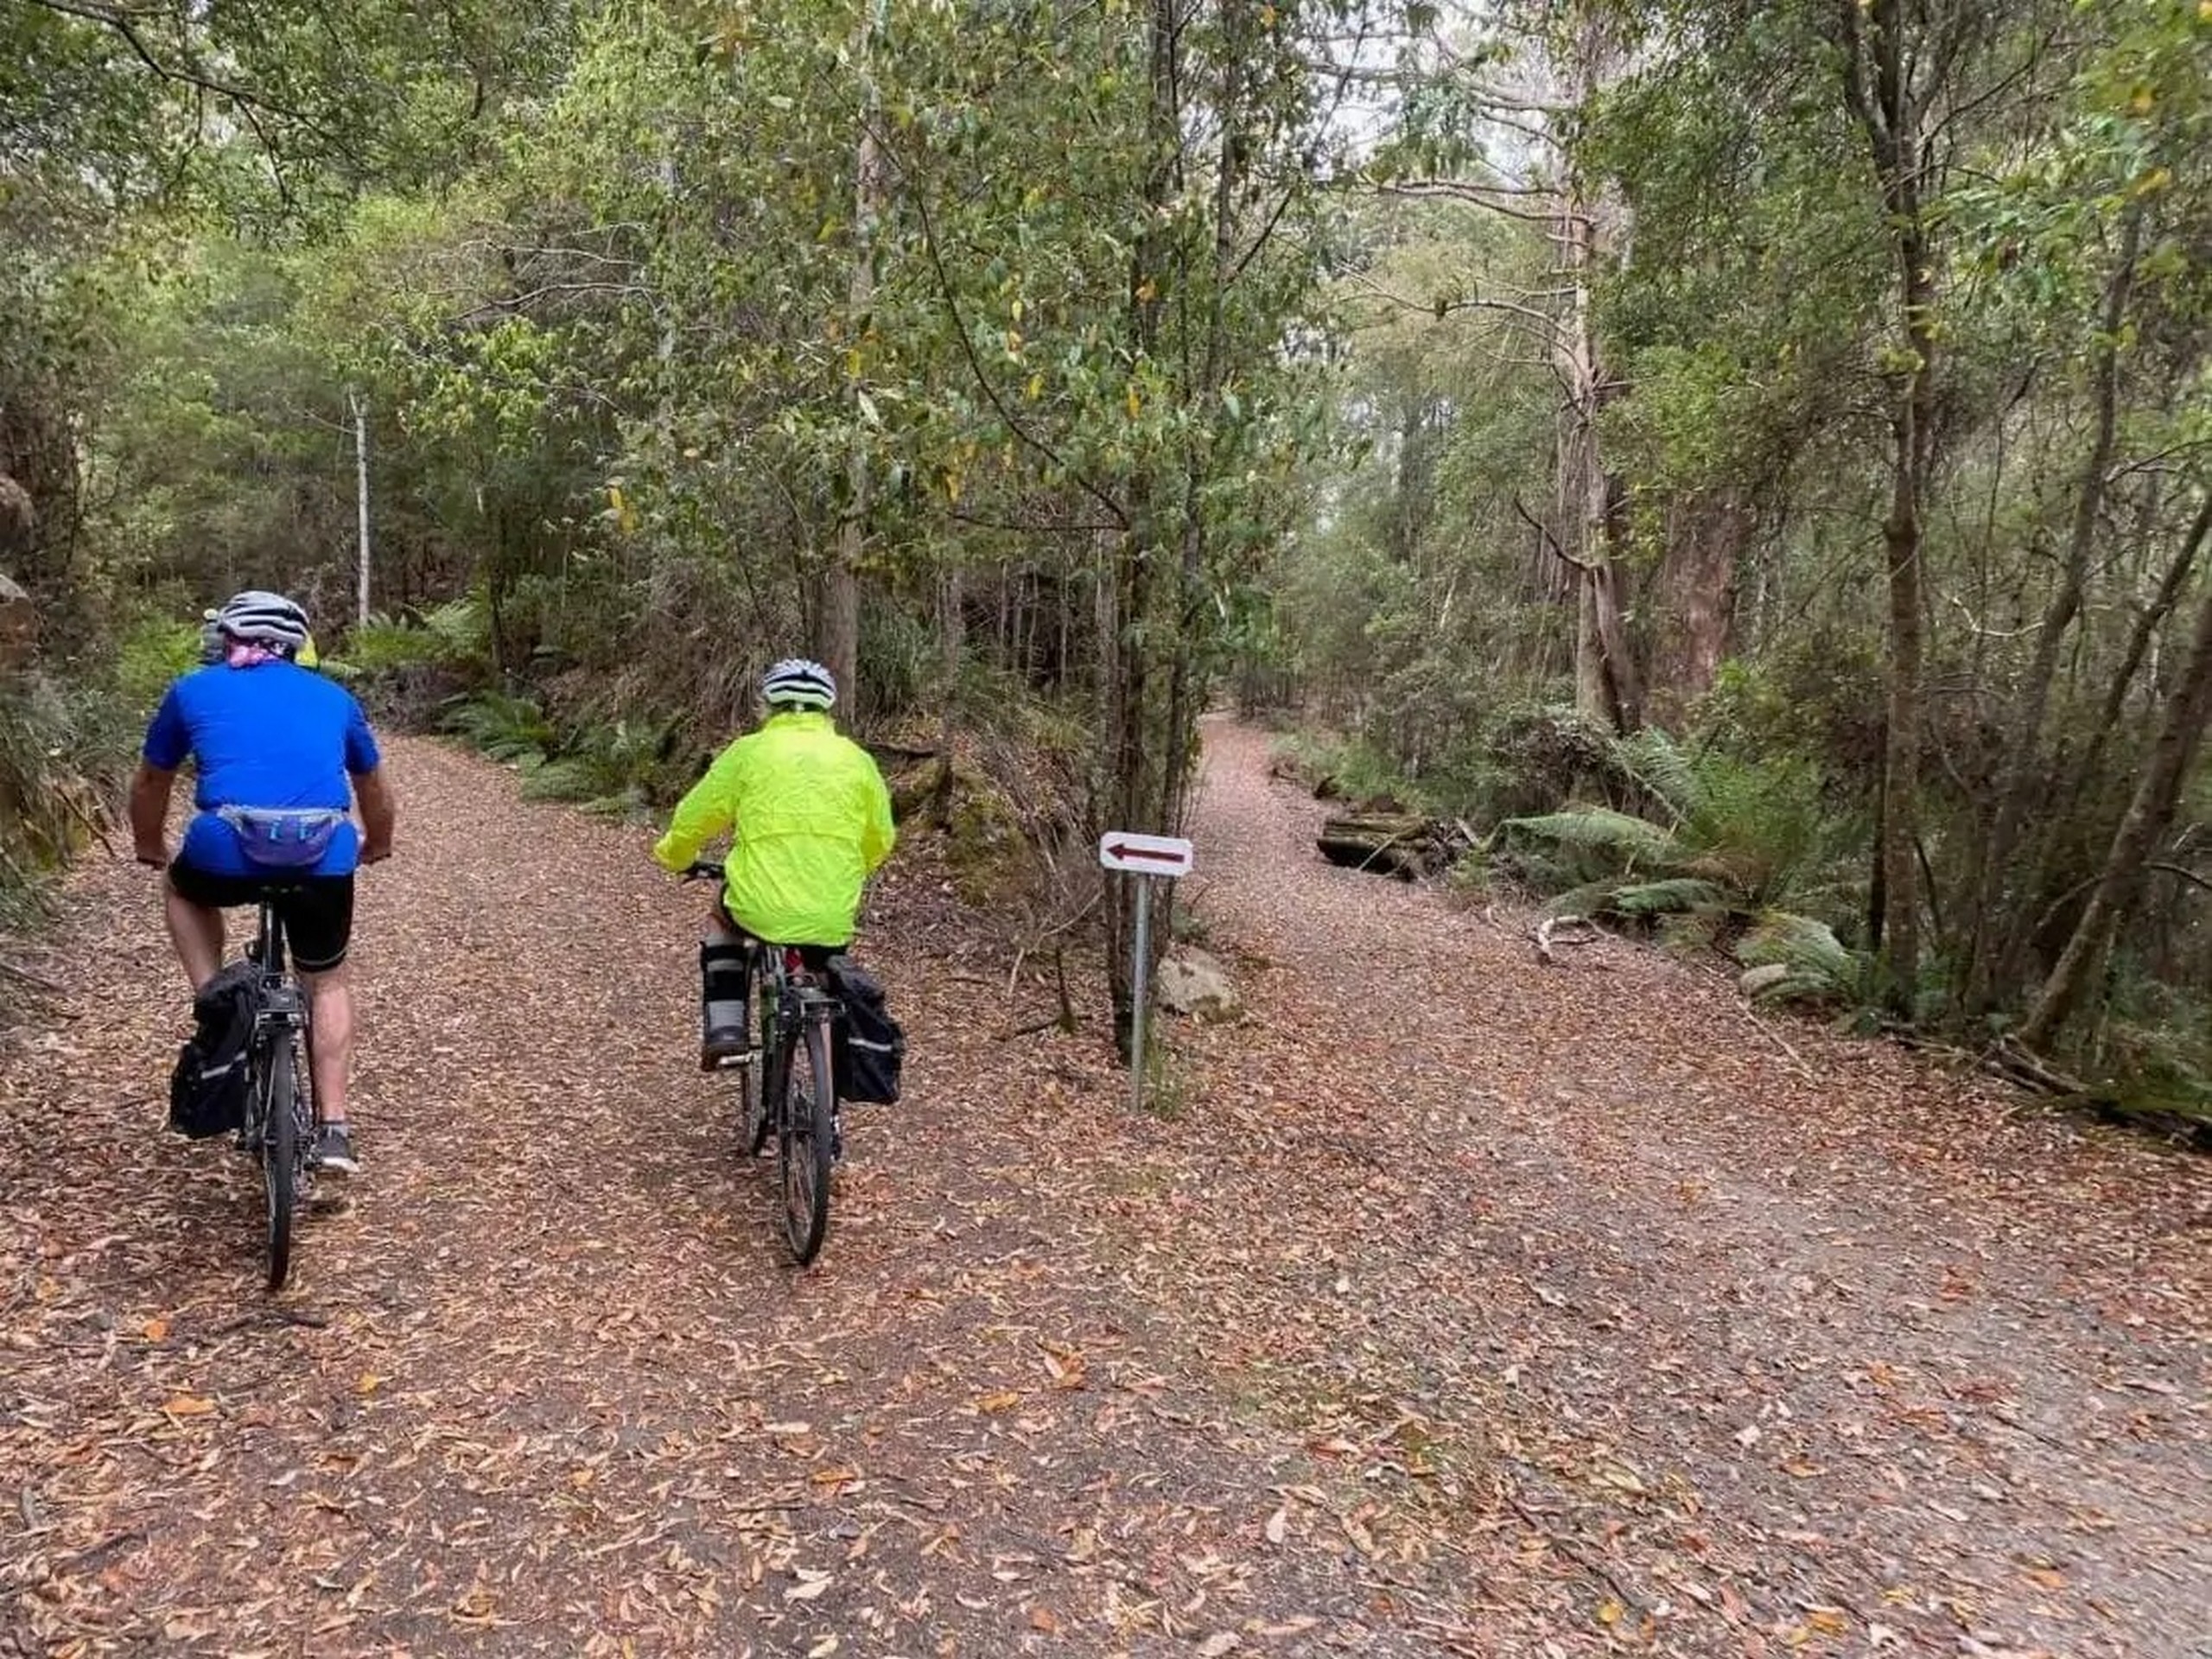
<point x="544" y="1387"/>
<point x="1736" y="1334"/>
<point x="1463" y="1306"/>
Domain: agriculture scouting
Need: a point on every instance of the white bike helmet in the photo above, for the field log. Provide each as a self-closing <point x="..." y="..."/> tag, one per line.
<point x="796" y="683"/>
<point x="264" y="619"/>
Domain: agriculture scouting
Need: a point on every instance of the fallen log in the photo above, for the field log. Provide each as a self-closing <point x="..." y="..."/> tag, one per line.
<point x="1401" y="844"/>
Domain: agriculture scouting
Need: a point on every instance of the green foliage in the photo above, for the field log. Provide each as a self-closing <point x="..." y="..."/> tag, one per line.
<point x="1634" y="843"/>
<point x="504" y="725"/>
<point x="1818" y="967"/>
<point x="1350" y="769"/>
<point x="64" y="746"/>
<point x="149" y="656"/>
<point x="1715" y="835"/>
<point x="899" y="659"/>
<point x="1658" y="768"/>
<point x="1668" y="896"/>
<point x="452" y="635"/>
<point x="383" y="645"/>
<point x="616" y="770"/>
<point x="1536" y="754"/>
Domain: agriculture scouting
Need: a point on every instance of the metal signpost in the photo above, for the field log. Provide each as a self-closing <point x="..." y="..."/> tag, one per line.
<point x="1144" y="857"/>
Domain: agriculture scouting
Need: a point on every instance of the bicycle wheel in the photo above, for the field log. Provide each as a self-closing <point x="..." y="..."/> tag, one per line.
<point x="803" y="1142"/>
<point x="282" y="1152"/>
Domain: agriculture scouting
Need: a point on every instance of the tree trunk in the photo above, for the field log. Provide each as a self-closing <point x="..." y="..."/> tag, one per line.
<point x="1692" y="602"/>
<point x="2025" y="780"/>
<point x="360" y="406"/>
<point x="1881" y="88"/>
<point x="839" y="602"/>
<point x="1152" y="717"/>
<point x="2139" y="641"/>
<point x="2150" y="815"/>
<point x="1605" y="677"/>
<point x="1901" y="741"/>
<point x="1606" y="685"/>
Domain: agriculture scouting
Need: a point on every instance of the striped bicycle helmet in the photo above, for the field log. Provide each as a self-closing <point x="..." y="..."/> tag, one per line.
<point x="264" y="619"/>
<point x="795" y="682"/>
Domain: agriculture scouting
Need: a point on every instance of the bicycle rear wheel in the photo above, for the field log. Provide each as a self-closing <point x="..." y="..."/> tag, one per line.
<point x="283" y="1154"/>
<point x="802" y="1142"/>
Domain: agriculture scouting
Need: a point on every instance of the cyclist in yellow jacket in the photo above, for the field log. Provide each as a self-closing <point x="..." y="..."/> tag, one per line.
<point x="810" y="820"/>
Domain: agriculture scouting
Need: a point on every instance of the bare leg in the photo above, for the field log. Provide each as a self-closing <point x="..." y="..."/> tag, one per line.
<point x="197" y="934"/>
<point x="330" y="1039"/>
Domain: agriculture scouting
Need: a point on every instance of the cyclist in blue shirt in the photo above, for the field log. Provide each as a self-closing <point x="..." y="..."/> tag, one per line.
<point x="283" y="754"/>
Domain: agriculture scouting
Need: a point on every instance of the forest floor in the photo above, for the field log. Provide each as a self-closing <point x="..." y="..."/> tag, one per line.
<point x="1452" y="1303"/>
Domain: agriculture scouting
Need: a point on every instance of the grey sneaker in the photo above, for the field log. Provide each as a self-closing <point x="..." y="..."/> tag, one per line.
<point x="333" y="1151"/>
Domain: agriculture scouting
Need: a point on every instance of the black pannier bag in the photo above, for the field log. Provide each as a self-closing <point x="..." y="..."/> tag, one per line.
<point x="208" y="1088"/>
<point x="868" y="1047"/>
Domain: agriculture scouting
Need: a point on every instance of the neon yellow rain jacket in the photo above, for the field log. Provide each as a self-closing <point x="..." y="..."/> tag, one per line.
<point x="810" y="821"/>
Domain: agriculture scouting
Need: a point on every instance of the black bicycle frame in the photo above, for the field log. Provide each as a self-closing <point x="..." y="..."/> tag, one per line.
<point x="793" y="1006"/>
<point x="280" y="1004"/>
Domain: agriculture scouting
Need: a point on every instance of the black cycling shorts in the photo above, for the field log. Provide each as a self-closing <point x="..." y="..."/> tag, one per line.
<point x="317" y="910"/>
<point x="816" y="957"/>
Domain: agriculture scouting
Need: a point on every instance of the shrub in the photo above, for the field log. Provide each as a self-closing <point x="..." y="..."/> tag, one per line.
<point x="1815" y="965"/>
<point x="1535" y="755"/>
<point x="1708" y="833"/>
<point x="503" y="724"/>
<point x="617" y="769"/>
<point x="63" y="745"/>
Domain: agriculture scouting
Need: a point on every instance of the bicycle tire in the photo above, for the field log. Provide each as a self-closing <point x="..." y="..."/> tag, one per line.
<point x="280" y="1156"/>
<point x="803" y="1142"/>
<point x="758" y="1120"/>
<point x="755" y="1092"/>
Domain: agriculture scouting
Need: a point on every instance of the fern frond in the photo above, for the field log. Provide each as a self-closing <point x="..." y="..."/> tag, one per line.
<point x="506" y="727"/>
<point x="1651" y="758"/>
<point x="1820" y="966"/>
<point x="1668" y="896"/>
<point x="1600" y="828"/>
<point x="1591" y="898"/>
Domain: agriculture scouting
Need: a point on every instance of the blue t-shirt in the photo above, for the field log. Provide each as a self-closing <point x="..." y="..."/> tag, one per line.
<point x="271" y="735"/>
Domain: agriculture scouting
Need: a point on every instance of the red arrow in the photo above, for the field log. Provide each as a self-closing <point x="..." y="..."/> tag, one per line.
<point x="1122" y="849"/>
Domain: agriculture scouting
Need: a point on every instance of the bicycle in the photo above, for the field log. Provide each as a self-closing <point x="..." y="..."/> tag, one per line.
<point x="278" y="1131"/>
<point x="788" y="1087"/>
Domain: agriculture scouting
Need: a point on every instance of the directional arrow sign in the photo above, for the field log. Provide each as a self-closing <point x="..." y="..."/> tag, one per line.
<point x="1168" y="855"/>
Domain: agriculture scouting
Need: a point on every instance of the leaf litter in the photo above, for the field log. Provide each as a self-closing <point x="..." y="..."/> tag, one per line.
<point x="1433" y="1324"/>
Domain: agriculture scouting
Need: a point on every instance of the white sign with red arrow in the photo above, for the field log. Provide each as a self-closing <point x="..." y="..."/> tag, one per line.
<point x="1168" y="855"/>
